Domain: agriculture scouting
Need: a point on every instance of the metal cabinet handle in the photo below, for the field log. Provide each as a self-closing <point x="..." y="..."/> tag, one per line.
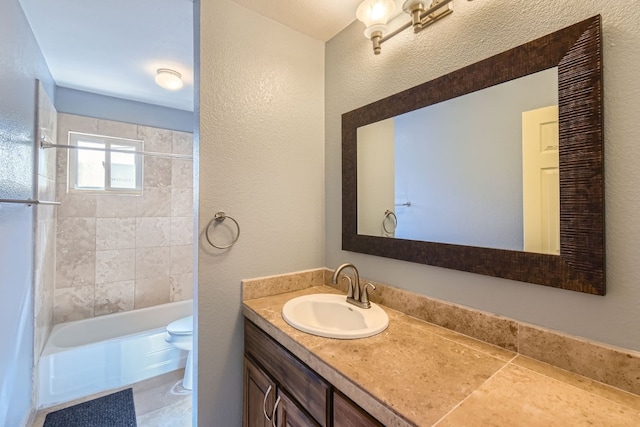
<point x="264" y="404"/>
<point x="275" y="408"/>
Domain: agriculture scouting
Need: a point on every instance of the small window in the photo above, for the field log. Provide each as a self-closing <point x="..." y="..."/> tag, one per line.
<point x="105" y="165"/>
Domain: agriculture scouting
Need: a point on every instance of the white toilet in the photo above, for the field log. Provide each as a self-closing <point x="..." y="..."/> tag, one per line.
<point x="180" y="335"/>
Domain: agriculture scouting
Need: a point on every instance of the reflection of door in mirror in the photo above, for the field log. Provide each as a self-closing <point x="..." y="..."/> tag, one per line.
<point x="376" y="177"/>
<point x="541" y="180"/>
<point x="452" y="171"/>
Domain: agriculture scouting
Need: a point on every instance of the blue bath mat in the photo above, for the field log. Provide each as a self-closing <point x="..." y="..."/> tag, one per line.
<point x="113" y="410"/>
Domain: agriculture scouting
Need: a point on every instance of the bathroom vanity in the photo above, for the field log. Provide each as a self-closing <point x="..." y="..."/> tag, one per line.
<point x="413" y="374"/>
<point x="272" y="374"/>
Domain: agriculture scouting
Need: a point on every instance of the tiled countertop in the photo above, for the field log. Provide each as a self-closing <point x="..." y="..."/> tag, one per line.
<point x="419" y="374"/>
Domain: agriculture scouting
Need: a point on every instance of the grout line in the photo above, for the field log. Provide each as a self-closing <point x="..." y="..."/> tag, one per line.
<point x="473" y="392"/>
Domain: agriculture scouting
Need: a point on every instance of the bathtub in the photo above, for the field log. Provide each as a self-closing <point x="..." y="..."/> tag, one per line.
<point x="88" y="356"/>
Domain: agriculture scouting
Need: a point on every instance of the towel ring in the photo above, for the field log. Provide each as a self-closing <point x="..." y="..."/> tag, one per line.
<point x="389" y="214"/>
<point x="220" y="217"/>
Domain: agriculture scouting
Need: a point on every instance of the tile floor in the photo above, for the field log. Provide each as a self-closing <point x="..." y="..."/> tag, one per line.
<point x="159" y="401"/>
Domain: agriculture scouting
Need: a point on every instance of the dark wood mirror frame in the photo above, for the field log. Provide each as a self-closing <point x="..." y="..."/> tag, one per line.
<point x="577" y="52"/>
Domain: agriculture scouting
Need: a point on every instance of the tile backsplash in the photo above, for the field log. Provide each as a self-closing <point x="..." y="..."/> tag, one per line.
<point x="117" y="253"/>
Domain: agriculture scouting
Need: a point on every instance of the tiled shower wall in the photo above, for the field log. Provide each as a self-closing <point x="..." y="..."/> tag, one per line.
<point x="118" y="253"/>
<point x="45" y="236"/>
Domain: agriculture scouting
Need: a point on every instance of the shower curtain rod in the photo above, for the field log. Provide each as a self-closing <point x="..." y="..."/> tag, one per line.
<point x="45" y="144"/>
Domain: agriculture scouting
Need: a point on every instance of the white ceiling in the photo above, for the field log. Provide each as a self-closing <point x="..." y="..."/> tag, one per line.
<point x="320" y="19"/>
<point x="114" y="47"/>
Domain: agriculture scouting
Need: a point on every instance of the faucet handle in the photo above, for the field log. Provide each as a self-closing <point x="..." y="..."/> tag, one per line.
<point x="364" y="296"/>
<point x="350" y="288"/>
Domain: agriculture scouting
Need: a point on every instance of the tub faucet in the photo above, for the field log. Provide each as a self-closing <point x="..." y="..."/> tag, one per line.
<point x="354" y="295"/>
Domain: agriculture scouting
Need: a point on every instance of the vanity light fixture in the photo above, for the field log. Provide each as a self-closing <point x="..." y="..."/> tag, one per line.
<point x="375" y="14"/>
<point x="169" y="79"/>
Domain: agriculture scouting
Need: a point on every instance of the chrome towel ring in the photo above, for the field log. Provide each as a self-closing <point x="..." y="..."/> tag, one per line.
<point x="218" y="218"/>
<point x="392" y="216"/>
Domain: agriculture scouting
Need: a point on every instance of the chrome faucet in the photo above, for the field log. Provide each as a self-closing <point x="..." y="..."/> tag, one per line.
<point x="354" y="295"/>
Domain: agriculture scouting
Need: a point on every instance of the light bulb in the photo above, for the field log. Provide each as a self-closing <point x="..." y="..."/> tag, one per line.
<point x="375" y="14"/>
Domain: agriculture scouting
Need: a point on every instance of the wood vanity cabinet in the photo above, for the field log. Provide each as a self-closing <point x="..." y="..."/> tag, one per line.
<point x="260" y="396"/>
<point x="348" y="414"/>
<point x="303" y="394"/>
<point x="273" y="377"/>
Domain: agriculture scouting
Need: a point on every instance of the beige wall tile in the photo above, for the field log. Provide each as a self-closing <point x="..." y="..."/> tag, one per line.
<point x="157" y="172"/>
<point x="273" y="285"/>
<point x="487" y="327"/>
<point x="182" y="173"/>
<point x="155" y="139"/>
<point x="182" y="143"/>
<point x="47" y="124"/>
<point x="181" y="259"/>
<point x="155" y="201"/>
<point x="152" y="291"/>
<point x="153" y="231"/>
<point x="115" y="265"/>
<point x="75" y="269"/>
<point x="73" y="303"/>
<point x="152" y="262"/>
<point x="182" y="202"/>
<point x="617" y="367"/>
<point x="181" y="231"/>
<point x="72" y="122"/>
<point x="114" y="297"/>
<point x="181" y="287"/>
<point x="76" y="234"/>
<point x="109" y="206"/>
<point x="61" y="166"/>
<point x="74" y="205"/>
<point x="117" y="129"/>
<point x="131" y="234"/>
<point x="115" y="233"/>
<point x="44" y="275"/>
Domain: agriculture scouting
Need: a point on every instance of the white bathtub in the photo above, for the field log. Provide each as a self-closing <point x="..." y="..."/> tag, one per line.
<point x="92" y="355"/>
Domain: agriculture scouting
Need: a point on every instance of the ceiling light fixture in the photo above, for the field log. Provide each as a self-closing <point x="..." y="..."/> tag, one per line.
<point x="169" y="79"/>
<point x="376" y="13"/>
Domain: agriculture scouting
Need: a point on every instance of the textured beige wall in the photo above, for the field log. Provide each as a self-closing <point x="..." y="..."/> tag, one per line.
<point x="477" y="30"/>
<point x="119" y="253"/>
<point x="261" y="160"/>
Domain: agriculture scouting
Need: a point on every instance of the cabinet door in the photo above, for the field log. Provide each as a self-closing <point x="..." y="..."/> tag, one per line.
<point x="289" y="414"/>
<point x="347" y="414"/>
<point x="258" y="397"/>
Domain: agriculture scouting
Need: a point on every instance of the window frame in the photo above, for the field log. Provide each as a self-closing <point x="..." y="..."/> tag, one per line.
<point x="106" y="141"/>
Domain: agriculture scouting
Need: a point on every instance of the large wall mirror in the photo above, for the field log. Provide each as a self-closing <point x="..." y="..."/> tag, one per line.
<point x="494" y="169"/>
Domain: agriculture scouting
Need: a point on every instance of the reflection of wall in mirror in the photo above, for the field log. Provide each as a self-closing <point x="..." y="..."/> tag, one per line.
<point x="376" y="169"/>
<point x="459" y="163"/>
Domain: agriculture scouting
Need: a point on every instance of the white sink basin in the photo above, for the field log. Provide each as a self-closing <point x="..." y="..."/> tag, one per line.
<point x="330" y="316"/>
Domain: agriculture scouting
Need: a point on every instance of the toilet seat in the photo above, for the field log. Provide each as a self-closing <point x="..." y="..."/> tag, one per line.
<point x="182" y="326"/>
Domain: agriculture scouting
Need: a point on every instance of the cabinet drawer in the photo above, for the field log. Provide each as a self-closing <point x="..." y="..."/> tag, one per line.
<point x="300" y="382"/>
